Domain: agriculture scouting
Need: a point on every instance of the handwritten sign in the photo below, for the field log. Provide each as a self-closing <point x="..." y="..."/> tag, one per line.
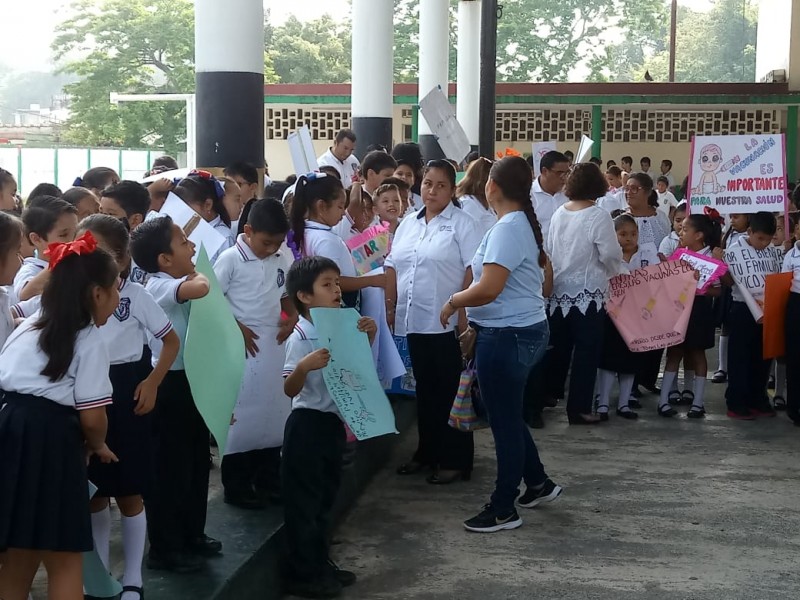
<point x="197" y="229"/>
<point x="539" y="150"/>
<point x="650" y="307"/>
<point x="710" y="268"/>
<point x="405" y="384"/>
<point x="350" y="376"/>
<point x="437" y="112"/>
<point x="370" y="248"/>
<point x="738" y="173"/>
<point x="750" y="267"/>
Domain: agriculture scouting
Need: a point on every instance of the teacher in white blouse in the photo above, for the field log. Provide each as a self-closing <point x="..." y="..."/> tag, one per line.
<point x="431" y="260"/>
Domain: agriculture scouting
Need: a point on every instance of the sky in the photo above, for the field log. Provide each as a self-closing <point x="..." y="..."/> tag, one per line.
<point x="29" y="26"/>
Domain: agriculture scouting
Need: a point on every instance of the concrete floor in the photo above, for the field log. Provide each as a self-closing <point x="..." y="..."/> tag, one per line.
<point x="661" y="509"/>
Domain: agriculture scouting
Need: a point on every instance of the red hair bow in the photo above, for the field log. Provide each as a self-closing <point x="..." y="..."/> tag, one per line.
<point x="86" y="244"/>
<point x="713" y="214"/>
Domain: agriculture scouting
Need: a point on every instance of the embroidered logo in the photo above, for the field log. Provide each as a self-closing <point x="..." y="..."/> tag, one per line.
<point x="123" y="311"/>
<point x="138" y="276"/>
<point x="445" y="228"/>
<point x="281" y="278"/>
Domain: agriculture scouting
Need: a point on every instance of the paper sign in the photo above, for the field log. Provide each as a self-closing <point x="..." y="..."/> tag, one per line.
<point x="214" y="356"/>
<point x="387" y="359"/>
<point x="302" y="151"/>
<point x="437" y="112"/>
<point x="405" y="384"/>
<point x="97" y="581"/>
<point x="651" y="307"/>
<point x="738" y="173"/>
<point x="776" y="297"/>
<point x="710" y="268"/>
<point x="539" y="150"/>
<point x="370" y="248"/>
<point x="194" y="226"/>
<point x="750" y="267"/>
<point x="584" y="148"/>
<point x="350" y="376"/>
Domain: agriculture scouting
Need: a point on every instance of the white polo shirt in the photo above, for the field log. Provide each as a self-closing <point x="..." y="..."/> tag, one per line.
<point x="6" y="319"/>
<point x="164" y="289"/>
<point x="431" y="260"/>
<point x="30" y="268"/>
<point x="86" y="384"/>
<point x="485" y="217"/>
<point x="320" y="240"/>
<point x="347" y="169"/>
<point x="791" y="264"/>
<point x="314" y="395"/>
<point x="545" y="205"/>
<point x="253" y="286"/>
<point x="137" y="313"/>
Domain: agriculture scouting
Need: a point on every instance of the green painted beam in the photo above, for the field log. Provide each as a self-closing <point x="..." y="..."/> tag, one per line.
<point x="415" y="123"/>
<point x="791" y="143"/>
<point x="597" y="130"/>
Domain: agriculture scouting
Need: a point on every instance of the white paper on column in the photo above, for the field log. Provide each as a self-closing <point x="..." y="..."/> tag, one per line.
<point x="302" y="151"/>
<point x="539" y="150"/>
<point x="196" y="228"/>
<point x="437" y="112"/>
<point x="584" y="148"/>
<point x="387" y="358"/>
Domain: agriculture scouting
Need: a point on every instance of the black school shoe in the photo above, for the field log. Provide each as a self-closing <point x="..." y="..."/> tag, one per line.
<point x="177" y="562"/>
<point x="204" y="546"/>
<point x="323" y="587"/>
<point x="248" y="500"/>
<point x="345" y="578"/>
<point x="490" y="521"/>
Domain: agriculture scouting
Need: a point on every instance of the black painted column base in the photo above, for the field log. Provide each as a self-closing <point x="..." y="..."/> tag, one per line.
<point x="430" y="148"/>
<point x="372" y="131"/>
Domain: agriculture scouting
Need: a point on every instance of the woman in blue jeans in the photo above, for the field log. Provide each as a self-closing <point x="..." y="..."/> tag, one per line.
<point x="505" y="305"/>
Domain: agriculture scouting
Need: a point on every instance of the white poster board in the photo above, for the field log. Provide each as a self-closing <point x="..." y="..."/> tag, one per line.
<point x="584" y="148"/>
<point x="437" y="112"/>
<point x="539" y="150"/>
<point x="301" y="149"/>
<point x="196" y="228"/>
<point x="738" y="173"/>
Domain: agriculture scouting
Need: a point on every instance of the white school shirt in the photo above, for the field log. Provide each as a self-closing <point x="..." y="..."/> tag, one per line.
<point x="347" y="169"/>
<point x="320" y="240"/>
<point x="253" y="286"/>
<point x="6" y="318"/>
<point x="670" y="177"/>
<point x="612" y="201"/>
<point x="138" y="313"/>
<point x="749" y="267"/>
<point x="791" y="264"/>
<point x="86" y="384"/>
<point x="314" y="395"/>
<point x="416" y="201"/>
<point x="666" y="202"/>
<point x="30" y="268"/>
<point x="545" y="205"/>
<point x="164" y="289"/>
<point x="25" y="308"/>
<point x="485" y="217"/>
<point x="431" y="260"/>
<point x="137" y="274"/>
<point x="669" y="244"/>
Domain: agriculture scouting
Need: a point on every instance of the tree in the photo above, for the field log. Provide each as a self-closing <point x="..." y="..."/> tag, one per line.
<point x="127" y="46"/>
<point x="313" y="52"/>
<point x="406" y="41"/>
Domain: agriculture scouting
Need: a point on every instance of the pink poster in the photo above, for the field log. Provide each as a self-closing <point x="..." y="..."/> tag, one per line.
<point x="650" y="307"/>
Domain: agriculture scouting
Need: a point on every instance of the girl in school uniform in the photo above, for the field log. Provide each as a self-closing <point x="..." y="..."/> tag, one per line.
<point x="206" y="195"/>
<point x="97" y="179"/>
<point x="10" y="241"/>
<point x="129" y="424"/>
<point x="701" y="234"/>
<point x="318" y="207"/>
<point x="9" y="201"/>
<point x="54" y="377"/>
<point x="791" y="264"/>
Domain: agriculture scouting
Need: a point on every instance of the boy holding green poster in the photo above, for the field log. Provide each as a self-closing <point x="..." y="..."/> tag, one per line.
<point x="314" y="439"/>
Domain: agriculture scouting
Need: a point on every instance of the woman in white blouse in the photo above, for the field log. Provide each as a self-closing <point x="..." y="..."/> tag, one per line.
<point x="471" y="192"/>
<point x="585" y="253"/>
<point x="431" y="260"/>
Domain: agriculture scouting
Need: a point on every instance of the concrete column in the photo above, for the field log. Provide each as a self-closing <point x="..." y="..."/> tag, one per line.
<point x="434" y="52"/>
<point x="229" y="65"/>
<point x="469" y="69"/>
<point x="373" y="73"/>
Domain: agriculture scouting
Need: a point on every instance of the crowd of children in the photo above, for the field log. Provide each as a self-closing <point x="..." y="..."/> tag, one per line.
<point x="95" y="292"/>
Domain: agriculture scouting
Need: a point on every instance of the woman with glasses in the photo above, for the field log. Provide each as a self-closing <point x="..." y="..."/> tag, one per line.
<point x="431" y="260"/>
<point x="585" y="253"/>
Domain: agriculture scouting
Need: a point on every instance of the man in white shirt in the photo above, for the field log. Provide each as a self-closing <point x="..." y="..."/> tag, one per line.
<point x="546" y="191"/>
<point x="666" y="171"/>
<point x="340" y="156"/>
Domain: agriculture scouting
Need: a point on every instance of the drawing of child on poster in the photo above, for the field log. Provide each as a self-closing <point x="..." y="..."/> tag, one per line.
<point x="710" y="163"/>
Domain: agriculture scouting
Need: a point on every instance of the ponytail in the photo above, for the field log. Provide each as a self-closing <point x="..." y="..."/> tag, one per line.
<point x="308" y="190"/>
<point x="709" y="227"/>
<point x="537" y="231"/>
<point x="652" y="199"/>
<point x="202" y="185"/>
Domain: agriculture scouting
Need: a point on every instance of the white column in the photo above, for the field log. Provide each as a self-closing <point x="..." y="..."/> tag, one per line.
<point x="372" y="73"/>
<point x="434" y="51"/>
<point x="469" y="68"/>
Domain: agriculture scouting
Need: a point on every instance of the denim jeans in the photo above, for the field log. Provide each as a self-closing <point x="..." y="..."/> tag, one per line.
<point x="504" y="358"/>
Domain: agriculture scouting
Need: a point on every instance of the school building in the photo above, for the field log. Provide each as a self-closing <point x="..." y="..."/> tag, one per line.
<point x="657" y="120"/>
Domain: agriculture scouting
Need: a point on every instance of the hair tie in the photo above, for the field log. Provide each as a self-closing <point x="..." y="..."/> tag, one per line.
<point x="713" y="214"/>
<point x="292" y="244"/>
<point x="218" y="189"/>
<point x="78" y="182"/>
<point x="314" y="175"/>
<point x="56" y="252"/>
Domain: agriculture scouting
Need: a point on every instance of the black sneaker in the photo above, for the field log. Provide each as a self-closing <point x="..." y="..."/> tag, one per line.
<point x="324" y="587"/>
<point x="345" y="578"/>
<point x="177" y="562"/>
<point x="547" y="493"/>
<point x="489" y="521"/>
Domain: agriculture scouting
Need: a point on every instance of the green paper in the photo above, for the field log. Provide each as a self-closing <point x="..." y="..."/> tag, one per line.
<point x="214" y="356"/>
<point x="97" y="581"/>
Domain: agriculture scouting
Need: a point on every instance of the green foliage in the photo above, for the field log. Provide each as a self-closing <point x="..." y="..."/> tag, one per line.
<point x="313" y="52"/>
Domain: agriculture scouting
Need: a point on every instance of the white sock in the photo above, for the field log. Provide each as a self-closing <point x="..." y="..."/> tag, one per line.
<point x="723" y="353"/>
<point x="625" y="386"/>
<point x="666" y="386"/>
<point x="134" y="534"/>
<point x="101" y="533"/>
<point x="675" y="386"/>
<point x="605" y="381"/>
<point x="688" y="380"/>
<point x="780" y="379"/>
<point x="699" y="390"/>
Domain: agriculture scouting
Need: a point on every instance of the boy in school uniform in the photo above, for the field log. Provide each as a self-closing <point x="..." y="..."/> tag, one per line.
<point x="177" y="506"/>
<point x="315" y="437"/>
<point x="750" y="259"/>
<point x="252" y="275"/>
<point x="128" y="201"/>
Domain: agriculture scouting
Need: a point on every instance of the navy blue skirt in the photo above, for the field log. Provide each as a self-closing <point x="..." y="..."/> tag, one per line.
<point x="702" y="325"/>
<point x="130" y="437"/>
<point x="44" y="492"/>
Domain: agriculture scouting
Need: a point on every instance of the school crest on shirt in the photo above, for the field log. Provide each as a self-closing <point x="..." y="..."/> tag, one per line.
<point x="123" y="311"/>
<point x="281" y="278"/>
<point x="138" y="276"/>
